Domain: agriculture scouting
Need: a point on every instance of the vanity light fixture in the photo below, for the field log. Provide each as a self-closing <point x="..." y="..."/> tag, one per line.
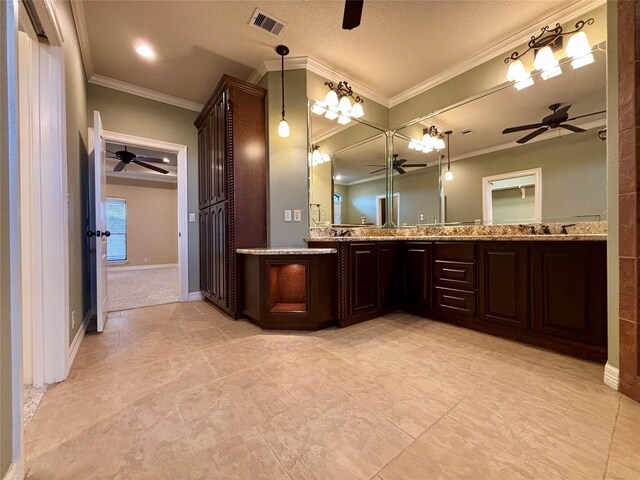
<point x="448" y="176"/>
<point x="544" y="44"/>
<point x="317" y="157"/>
<point x="337" y="103"/>
<point x="283" y="126"/>
<point x="431" y="140"/>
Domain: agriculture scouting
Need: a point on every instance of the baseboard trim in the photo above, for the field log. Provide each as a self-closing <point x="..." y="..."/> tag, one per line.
<point x="77" y="340"/>
<point x="611" y="376"/>
<point x="15" y="472"/>
<point x="194" y="296"/>
<point x="142" y="267"/>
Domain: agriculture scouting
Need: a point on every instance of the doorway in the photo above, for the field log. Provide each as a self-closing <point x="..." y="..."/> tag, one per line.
<point x="147" y="251"/>
<point x="514" y="197"/>
<point x="381" y="209"/>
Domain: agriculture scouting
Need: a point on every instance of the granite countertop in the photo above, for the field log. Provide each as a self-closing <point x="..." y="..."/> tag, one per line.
<point x="286" y="251"/>
<point x="458" y="238"/>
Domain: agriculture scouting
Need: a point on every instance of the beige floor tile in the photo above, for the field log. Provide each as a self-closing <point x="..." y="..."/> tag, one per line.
<point x="240" y="329"/>
<point x="618" y="471"/>
<point x="625" y="447"/>
<point x="451" y="450"/>
<point x="333" y="437"/>
<point x="223" y="408"/>
<point x="565" y="363"/>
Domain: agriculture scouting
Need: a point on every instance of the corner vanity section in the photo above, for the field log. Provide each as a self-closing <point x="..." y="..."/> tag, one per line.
<point x="546" y="290"/>
<point x="289" y="288"/>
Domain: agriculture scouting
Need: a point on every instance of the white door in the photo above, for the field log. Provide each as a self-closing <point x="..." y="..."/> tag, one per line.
<point x="101" y="232"/>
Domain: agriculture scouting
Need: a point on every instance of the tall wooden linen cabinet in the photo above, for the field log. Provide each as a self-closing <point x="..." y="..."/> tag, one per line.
<point x="232" y="176"/>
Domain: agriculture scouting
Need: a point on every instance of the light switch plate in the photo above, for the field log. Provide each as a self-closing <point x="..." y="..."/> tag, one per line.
<point x="297" y="215"/>
<point x="287" y="215"/>
<point x="192" y="218"/>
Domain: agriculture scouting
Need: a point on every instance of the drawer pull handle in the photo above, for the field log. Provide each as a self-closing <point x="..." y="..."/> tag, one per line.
<point x="452" y="270"/>
<point x="453" y="298"/>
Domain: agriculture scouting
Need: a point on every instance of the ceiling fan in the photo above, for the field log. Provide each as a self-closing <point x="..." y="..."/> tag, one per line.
<point x="352" y="14"/>
<point x="127" y="157"/>
<point x="557" y="119"/>
<point x="398" y="165"/>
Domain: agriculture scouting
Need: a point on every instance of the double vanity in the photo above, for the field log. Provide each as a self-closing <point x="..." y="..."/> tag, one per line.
<point x="545" y="289"/>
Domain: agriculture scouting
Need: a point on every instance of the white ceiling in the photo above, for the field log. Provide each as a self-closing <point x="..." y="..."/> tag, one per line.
<point x="584" y="89"/>
<point x="398" y="45"/>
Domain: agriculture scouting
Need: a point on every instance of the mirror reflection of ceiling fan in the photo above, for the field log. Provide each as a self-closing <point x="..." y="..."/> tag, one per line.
<point x="127" y="157"/>
<point x="557" y="119"/>
<point x="398" y="165"/>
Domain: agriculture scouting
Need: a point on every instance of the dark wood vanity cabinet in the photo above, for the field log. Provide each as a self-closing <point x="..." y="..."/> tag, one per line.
<point x="503" y="293"/>
<point x="232" y="191"/>
<point x="569" y="289"/>
<point x="455" y="279"/>
<point x="389" y="268"/>
<point x="417" y="276"/>
<point x="362" y="266"/>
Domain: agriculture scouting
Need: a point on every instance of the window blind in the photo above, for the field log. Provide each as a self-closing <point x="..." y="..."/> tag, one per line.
<point x="117" y="225"/>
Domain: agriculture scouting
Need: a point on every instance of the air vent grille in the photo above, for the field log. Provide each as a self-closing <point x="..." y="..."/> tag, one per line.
<point x="467" y="131"/>
<point x="267" y="22"/>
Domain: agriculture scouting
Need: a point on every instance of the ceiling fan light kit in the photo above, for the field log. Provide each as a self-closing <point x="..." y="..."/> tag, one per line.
<point x="550" y="38"/>
<point x="337" y="103"/>
<point x="283" y="126"/>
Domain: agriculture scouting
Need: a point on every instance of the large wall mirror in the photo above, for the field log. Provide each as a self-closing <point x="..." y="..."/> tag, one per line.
<point x="537" y="171"/>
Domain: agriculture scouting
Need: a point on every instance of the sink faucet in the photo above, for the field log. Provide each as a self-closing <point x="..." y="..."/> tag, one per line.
<point x="564" y="228"/>
<point x="546" y="230"/>
<point x="532" y="229"/>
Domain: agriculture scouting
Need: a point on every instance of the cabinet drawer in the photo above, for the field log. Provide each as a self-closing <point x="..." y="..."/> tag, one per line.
<point x="455" y="302"/>
<point x="461" y="252"/>
<point x="455" y="274"/>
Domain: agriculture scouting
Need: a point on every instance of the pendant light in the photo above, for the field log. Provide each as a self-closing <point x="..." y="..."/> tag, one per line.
<point x="283" y="126"/>
<point x="449" y="175"/>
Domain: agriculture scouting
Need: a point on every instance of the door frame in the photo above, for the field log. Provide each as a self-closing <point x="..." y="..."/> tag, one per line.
<point x="183" y="214"/>
<point x="379" y="210"/>
<point x="487" y="199"/>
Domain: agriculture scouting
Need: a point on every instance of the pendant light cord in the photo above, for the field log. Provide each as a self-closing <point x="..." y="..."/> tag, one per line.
<point x="282" y="77"/>
<point x="448" y="153"/>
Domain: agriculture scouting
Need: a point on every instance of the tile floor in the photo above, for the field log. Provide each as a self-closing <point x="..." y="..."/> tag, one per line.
<point x="181" y="392"/>
<point x="142" y="287"/>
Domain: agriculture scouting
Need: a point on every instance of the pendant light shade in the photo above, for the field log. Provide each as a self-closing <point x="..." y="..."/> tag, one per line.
<point x="283" y="126"/>
<point x="357" y="110"/>
<point x="546" y="61"/>
<point x="331" y="115"/>
<point x="319" y="108"/>
<point x="344" y="106"/>
<point x="343" y="119"/>
<point x="448" y="176"/>
<point x="315" y="155"/>
<point x="331" y="100"/>
<point x="518" y="74"/>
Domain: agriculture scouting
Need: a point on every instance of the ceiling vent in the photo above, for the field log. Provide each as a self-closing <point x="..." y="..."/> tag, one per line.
<point x="266" y="21"/>
<point x="467" y="131"/>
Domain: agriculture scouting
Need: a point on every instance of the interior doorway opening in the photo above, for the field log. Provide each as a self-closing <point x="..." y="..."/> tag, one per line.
<point x="381" y="209"/>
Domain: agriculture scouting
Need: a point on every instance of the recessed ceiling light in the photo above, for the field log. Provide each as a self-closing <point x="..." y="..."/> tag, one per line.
<point x="165" y="160"/>
<point x="338" y="177"/>
<point x="145" y="51"/>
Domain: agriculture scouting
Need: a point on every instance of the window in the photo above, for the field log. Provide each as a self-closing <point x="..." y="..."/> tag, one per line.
<point x="117" y="225"/>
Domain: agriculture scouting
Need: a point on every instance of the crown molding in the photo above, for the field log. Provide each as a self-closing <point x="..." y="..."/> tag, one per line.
<point x="79" y="19"/>
<point x="568" y="13"/>
<point x="311" y="65"/>
<point x="144" y="92"/>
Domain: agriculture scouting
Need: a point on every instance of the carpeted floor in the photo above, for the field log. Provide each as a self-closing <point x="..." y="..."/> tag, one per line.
<point x="142" y="288"/>
<point x="32" y="396"/>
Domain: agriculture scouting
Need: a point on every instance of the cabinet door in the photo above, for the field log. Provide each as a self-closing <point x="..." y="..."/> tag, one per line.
<point x="569" y="291"/>
<point x="212" y="172"/>
<point x="221" y="149"/>
<point x="205" y="285"/>
<point x="363" y="278"/>
<point x="201" y="168"/>
<point x="388" y="268"/>
<point x="212" y="257"/>
<point x="418" y="260"/>
<point x="503" y="284"/>
<point x="221" y="248"/>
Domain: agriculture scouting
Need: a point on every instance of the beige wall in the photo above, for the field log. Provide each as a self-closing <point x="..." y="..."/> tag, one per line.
<point x="573" y="182"/>
<point x="152" y="220"/>
<point x="124" y="113"/>
<point x="508" y="204"/>
<point x="321" y="193"/>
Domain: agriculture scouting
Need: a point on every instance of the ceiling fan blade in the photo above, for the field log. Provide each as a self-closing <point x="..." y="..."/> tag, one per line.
<point x="562" y="111"/>
<point x="572" y="128"/>
<point x="109" y="151"/>
<point x="526" y="138"/>
<point x="376" y="171"/>
<point x="142" y="158"/>
<point x="414" y="165"/>
<point x="352" y="14"/>
<point x="586" y="115"/>
<point x="522" y="128"/>
<point x="151" y="167"/>
<point x="119" y="167"/>
<point x="400" y="170"/>
<point x="400" y="162"/>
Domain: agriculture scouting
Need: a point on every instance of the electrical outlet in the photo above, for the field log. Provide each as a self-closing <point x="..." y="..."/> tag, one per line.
<point x="297" y="215"/>
<point x="146" y="259"/>
<point x="73" y="319"/>
<point x="422" y="217"/>
<point x="287" y="215"/>
<point x="192" y="218"/>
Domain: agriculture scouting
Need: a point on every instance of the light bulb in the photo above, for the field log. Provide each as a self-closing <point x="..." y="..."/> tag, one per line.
<point x="412" y="145"/>
<point x="344" y="106"/>
<point x="546" y="61"/>
<point x="316" y="156"/>
<point x="318" y="108"/>
<point x="165" y="160"/>
<point x="331" y="100"/>
<point x="426" y="140"/>
<point x="357" y="111"/>
<point x="448" y="176"/>
<point x="330" y="115"/>
<point x="283" y="129"/>
<point x="343" y="119"/>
